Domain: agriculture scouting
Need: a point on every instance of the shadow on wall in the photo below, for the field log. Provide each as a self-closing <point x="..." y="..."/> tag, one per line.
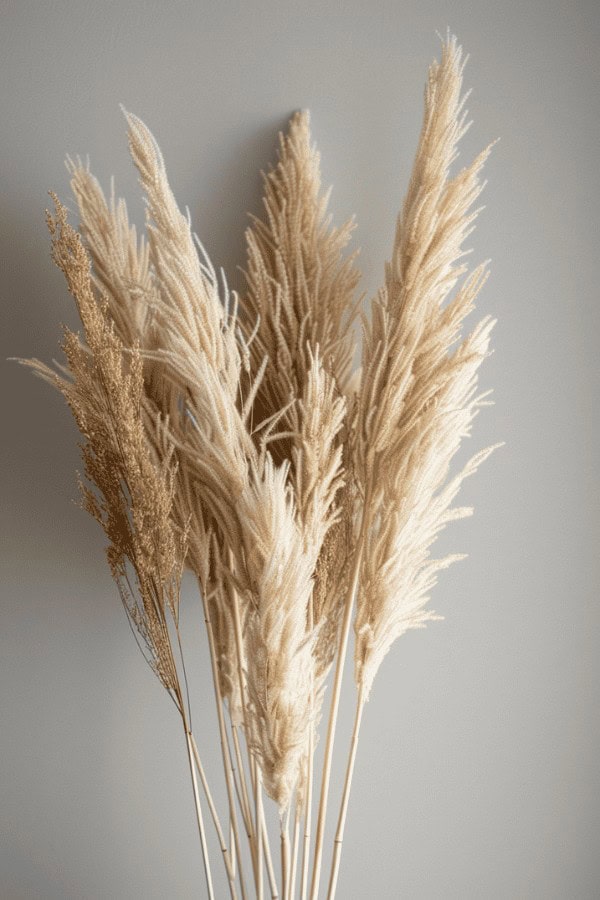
<point x="221" y="216"/>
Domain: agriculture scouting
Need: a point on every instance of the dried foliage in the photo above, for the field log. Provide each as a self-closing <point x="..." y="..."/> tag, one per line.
<point x="230" y="437"/>
<point x="418" y="391"/>
<point x="126" y="456"/>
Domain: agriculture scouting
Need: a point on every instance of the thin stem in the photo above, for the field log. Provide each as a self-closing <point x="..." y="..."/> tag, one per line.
<point x="269" y="861"/>
<point x="308" y="803"/>
<point x="185" y="678"/>
<point x="240" y="782"/>
<point x="262" y="824"/>
<point x="339" y="835"/>
<point x="254" y="826"/>
<point x="227" y="857"/>
<point x="285" y="854"/>
<point x="259" y="848"/>
<point x="231" y="840"/>
<point x="223" y="735"/>
<point x="191" y="741"/>
<point x="253" y="767"/>
<point x="253" y="836"/>
<point x="295" y="845"/>
<point x="199" y="818"/>
<point x="335" y="700"/>
<point x="307" y="822"/>
<point x="242" y="791"/>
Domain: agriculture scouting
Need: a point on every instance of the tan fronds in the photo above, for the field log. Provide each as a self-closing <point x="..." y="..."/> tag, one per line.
<point x="244" y="498"/>
<point x="132" y="488"/>
<point x="301" y="287"/>
<point x="318" y="453"/>
<point x="121" y="267"/>
<point x="187" y="284"/>
<point x="279" y="652"/>
<point x="197" y="361"/>
<point x="418" y="394"/>
<point x="321" y="490"/>
<point x="300" y="307"/>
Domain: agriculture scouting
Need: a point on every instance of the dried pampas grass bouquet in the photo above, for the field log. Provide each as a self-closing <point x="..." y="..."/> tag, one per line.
<point x="234" y="437"/>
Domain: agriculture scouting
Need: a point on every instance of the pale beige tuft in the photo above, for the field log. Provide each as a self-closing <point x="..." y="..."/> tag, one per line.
<point x="418" y="393"/>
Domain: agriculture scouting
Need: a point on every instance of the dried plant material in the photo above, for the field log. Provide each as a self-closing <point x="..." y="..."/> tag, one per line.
<point x="418" y="395"/>
<point x="301" y="288"/>
<point x="233" y="438"/>
<point x="235" y="481"/>
<point x="121" y="260"/>
<point x="301" y="294"/>
<point x="125" y="269"/>
<point x="198" y="361"/>
<point x="132" y="487"/>
<point x="318" y="477"/>
<point x="279" y="653"/>
<point x="300" y="307"/>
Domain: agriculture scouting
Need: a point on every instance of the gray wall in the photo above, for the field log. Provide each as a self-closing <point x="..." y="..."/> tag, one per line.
<point x="477" y="773"/>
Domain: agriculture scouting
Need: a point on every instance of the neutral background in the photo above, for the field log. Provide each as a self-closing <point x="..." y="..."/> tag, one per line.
<point x="477" y="775"/>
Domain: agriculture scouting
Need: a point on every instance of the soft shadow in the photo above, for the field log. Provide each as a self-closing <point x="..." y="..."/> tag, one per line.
<point x="222" y="216"/>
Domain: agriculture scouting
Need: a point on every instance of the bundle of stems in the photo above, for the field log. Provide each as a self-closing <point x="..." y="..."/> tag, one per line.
<point x="233" y="437"/>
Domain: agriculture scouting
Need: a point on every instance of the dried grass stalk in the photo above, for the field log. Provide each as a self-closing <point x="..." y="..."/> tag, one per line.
<point x="234" y="479"/>
<point x="418" y="393"/>
<point x="300" y="307"/>
<point x="133" y="484"/>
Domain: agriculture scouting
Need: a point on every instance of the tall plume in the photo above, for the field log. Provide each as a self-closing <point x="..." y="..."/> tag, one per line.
<point x="129" y="464"/>
<point x="418" y="394"/>
<point x="301" y="287"/>
<point x="300" y="308"/>
<point x="242" y="495"/>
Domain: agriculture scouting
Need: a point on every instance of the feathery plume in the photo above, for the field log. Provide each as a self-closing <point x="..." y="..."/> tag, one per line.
<point x="301" y="297"/>
<point x="301" y="288"/>
<point x="241" y="493"/>
<point x="132" y="486"/>
<point x="417" y="395"/>
<point x="279" y="652"/>
<point x="300" y="309"/>
<point x="121" y="268"/>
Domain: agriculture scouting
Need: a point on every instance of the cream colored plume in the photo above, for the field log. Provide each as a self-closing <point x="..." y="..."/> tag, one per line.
<point x="279" y="652"/>
<point x="301" y="288"/>
<point x="418" y="391"/>
<point x="235" y="480"/>
<point x="300" y="307"/>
